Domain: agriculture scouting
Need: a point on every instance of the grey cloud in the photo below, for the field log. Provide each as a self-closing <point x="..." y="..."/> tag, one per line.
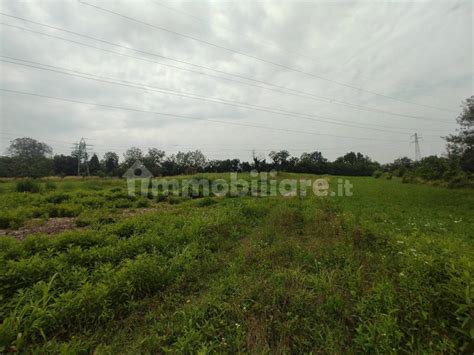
<point x="417" y="51"/>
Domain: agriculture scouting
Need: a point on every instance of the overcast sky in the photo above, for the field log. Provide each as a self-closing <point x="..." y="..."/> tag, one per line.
<point x="419" y="52"/>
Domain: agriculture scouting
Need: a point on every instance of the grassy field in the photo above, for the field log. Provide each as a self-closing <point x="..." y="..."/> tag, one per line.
<point x="388" y="270"/>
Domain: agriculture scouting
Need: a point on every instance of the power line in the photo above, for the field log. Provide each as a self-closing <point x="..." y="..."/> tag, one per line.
<point x="261" y="59"/>
<point x="187" y="117"/>
<point x="273" y="87"/>
<point x="265" y="43"/>
<point x="266" y="149"/>
<point x="146" y="87"/>
<point x="165" y="146"/>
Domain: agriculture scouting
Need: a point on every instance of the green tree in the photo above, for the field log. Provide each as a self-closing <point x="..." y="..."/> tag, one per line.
<point x="30" y="157"/>
<point x="280" y="159"/>
<point x="110" y="162"/>
<point x="401" y="165"/>
<point x="7" y="168"/>
<point x="461" y="145"/>
<point x="313" y="162"/>
<point x="190" y="162"/>
<point x="259" y="161"/>
<point x="94" y="165"/>
<point x="29" y="149"/>
<point x="65" y="165"/>
<point x="432" y="167"/>
<point x="154" y="160"/>
<point x="354" y="164"/>
<point x="131" y="156"/>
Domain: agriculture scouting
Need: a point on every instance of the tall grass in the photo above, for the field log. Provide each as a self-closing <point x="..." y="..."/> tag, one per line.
<point x="361" y="275"/>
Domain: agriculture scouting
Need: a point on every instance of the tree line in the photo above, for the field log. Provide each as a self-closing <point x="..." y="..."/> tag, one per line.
<point x="29" y="157"/>
<point x="456" y="167"/>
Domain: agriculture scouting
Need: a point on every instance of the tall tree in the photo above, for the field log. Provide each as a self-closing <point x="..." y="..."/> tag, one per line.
<point x="30" y="157"/>
<point x="7" y="167"/>
<point x="190" y="162"/>
<point x="259" y="161"/>
<point x="132" y="155"/>
<point x="280" y="159"/>
<point x="313" y="162"/>
<point x="65" y="165"/>
<point x="155" y="156"/>
<point x="401" y="165"/>
<point x="94" y="164"/>
<point x="354" y="164"/>
<point x="110" y="162"/>
<point x="29" y="149"/>
<point x="461" y="145"/>
<point x="154" y="160"/>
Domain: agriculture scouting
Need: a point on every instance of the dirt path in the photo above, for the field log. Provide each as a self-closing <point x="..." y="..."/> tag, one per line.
<point x="60" y="224"/>
<point x="52" y="226"/>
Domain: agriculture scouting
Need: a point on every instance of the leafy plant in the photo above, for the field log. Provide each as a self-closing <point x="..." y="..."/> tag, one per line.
<point x="27" y="185"/>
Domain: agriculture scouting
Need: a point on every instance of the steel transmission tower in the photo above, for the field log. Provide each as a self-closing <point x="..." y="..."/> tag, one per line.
<point x="416" y="140"/>
<point x="80" y="152"/>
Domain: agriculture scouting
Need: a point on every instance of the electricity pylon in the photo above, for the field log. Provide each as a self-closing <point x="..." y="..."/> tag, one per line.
<point x="80" y="152"/>
<point x="416" y="140"/>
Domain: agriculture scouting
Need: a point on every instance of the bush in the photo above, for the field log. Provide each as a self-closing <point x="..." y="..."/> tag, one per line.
<point x="408" y="178"/>
<point x="10" y="221"/>
<point x="27" y="185"/>
<point x="57" y="198"/>
<point x="460" y="180"/>
<point x="377" y="174"/>
<point x="432" y="167"/>
<point x="206" y="202"/>
<point x="4" y="222"/>
<point x="142" y="203"/>
<point x="64" y="210"/>
<point x="161" y="197"/>
<point x="94" y="217"/>
<point x="174" y="200"/>
<point x="122" y="203"/>
<point x="49" y="185"/>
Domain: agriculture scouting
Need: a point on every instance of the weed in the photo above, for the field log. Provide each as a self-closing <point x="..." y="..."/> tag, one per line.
<point x="388" y="270"/>
<point x="27" y="185"/>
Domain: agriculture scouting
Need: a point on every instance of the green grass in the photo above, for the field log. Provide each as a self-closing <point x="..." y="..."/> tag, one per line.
<point x="388" y="270"/>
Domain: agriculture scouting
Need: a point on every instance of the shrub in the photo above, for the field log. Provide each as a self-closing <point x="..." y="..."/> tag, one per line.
<point x="97" y="217"/>
<point x="142" y="203"/>
<point x="174" y="200"/>
<point x="4" y="222"/>
<point x="27" y="185"/>
<point x="122" y="203"/>
<point x="161" y="197"/>
<point x="206" y="202"/>
<point x="49" y="185"/>
<point x="93" y="202"/>
<point x="377" y="174"/>
<point x="57" y="198"/>
<point x="432" y="167"/>
<point x="64" y="210"/>
<point x="408" y="178"/>
<point x="11" y="220"/>
<point x="460" y="180"/>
